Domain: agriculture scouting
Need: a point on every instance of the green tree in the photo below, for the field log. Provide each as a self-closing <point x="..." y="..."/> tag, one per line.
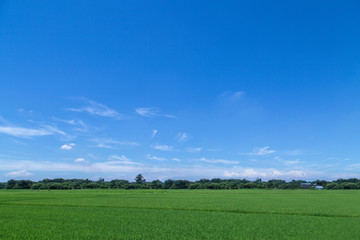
<point x="23" y="184"/>
<point x="156" y="184"/>
<point x="139" y="179"/>
<point x="11" y="184"/>
<point x="168" y="183"/>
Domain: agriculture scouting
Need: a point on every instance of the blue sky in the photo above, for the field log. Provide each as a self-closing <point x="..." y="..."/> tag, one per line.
<point x="179" y="89"/>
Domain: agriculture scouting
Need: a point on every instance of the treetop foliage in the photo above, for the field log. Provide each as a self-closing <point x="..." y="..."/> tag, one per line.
<point x="141" y="183"/>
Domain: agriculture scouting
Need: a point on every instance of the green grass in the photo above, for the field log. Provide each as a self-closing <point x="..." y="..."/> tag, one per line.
<point x="179" y="214"/>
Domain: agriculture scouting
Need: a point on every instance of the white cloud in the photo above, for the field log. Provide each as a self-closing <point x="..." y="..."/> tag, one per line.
<point x="288" y="162"/>
<point x="182" y="136"/>
<point x="176" y="159"/>
<point x="95" y="108"/>
<point x="291" y="162"/>
<point x="262" y="151"/>
<point x="163" y="147"/>
<point x="16" y="174"/>
<point x="115" y="159"/>
<point x="78" y="125"/>
<point x="71" y="122"/>
<point x="151" y="157"/>
<point x="125" y="168"/>
<point x="231" y="97"/>
<point x="101" y="145"/>
<point x="194" y="150"/>
<point x="111" y="143"/>
<point x="215" y="161"/>
<point x="29" y="132"/>
<point x="67" y="146"/>
<point x="81" y="160"/>
<point x="155" y="131"/>
<point x="264" y="173"/>
<point x="151" y="112"/>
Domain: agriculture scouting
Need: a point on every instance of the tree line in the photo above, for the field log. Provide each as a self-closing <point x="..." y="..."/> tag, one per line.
<point x="140" y="183"/>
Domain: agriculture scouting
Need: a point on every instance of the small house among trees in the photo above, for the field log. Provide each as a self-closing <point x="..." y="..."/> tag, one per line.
<point x="306" y="185"/>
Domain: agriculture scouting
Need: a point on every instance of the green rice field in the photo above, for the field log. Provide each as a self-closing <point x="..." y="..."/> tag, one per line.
<point x="179" y="214"/>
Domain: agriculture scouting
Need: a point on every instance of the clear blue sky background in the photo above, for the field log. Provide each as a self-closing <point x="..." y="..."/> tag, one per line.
<point x="179" y="89"/>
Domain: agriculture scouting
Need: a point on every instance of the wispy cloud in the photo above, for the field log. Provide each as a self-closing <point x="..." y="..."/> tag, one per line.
<point x="182" y="136"/>
<point x="213" y="149"/>
<point x="99" y="109"/>
<point x="163" y="147"/>
<point x="291" y="162"/>
<point x="115" y="159"/>
<point x="152" y="112"/>
<point x="67" y="146"/>
<point x="17" y="174"/>
<point x="176" y="159"/>
<point x="81" y="160"/>
<point x="127" y="169"/>
<point x="288" y="162"/>
<point x="112" y="143"/>
<point x="194" y="150"/>
<point x="70" y="122"/>
<point x="79" y="125"/>
<point x="22" y="132"/>
<point x="151" y="157"/>
<point x="232" y="96"/>
<point x="262" y="151"/>
<point x="215" y="161"/>
<point x="154" y="133"/>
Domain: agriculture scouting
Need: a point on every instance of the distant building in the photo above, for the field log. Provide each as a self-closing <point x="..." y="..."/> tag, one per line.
<point x="306" y="185"/>
<point x="309" y="185"/>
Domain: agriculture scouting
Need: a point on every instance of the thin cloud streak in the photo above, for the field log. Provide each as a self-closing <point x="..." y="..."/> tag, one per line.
<point x="115" y="159"/>
<point x="112" y="143"/>
<point x="155" y="131"/>
<point x="261" y="151"/>
<point x="216" y="161"/>
<point x="194" y="150"/>
<point x="151" y="113"/>
<point x="182" y="136"/>
<point x="21" y="132"/>
<point x="99" y="109"/>
<point x="163" y="147"/>
<point x="151" y="157"/>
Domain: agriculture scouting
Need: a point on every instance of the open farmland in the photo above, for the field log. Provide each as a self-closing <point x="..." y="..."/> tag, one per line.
<point x="179" y="214"/>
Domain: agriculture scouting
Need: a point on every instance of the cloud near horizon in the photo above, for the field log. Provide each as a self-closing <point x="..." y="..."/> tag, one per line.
<point x="20" y="173"/>
<point x="265" y="173"/>
<point x="122" y="166"/>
